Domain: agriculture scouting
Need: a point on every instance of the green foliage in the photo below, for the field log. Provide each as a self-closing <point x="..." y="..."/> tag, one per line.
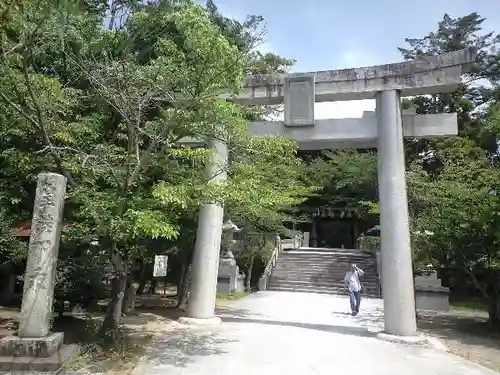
<point x="343" y="179"/>
<point x="79" y="280"/>
<point x="456" y="213"/>
<point x="115" y="109"/>
<point x="455" y="34"/>
<point x="12" y="249"/>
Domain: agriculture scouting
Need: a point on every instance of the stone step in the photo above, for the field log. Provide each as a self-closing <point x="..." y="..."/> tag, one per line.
<point x="324" y="257"/>
<point x="313" y="276"/>
<point x="325" y="266"/>
<point x="321" y="270"/>
<point x="320" y="291"/>
<point x="327" y="259"/>
<point x="326" y="262"/>
<point x="327" y="251"/>
<point x="328" y="265"/>
<point x="333" y="267"/>
<point x="297" y="279"/>
<point x="320" y="285"/>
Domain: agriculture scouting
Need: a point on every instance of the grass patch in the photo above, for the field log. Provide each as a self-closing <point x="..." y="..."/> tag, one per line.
<point x="231" y="296"/>
<point x="469" y="304"/>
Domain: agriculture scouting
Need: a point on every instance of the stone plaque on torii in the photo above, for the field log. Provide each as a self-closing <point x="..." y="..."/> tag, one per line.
<point x="383" y="129"/>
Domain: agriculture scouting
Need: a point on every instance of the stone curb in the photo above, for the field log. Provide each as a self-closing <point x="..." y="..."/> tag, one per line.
<point x="215" y="321"/>
<point x="419" y="340"/>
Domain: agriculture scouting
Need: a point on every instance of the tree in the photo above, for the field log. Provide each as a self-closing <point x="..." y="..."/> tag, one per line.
<point x="454" y="34"/>
<point x="343" y="179"/>
<point x="451" y="180"/>
<point x="113" y="155"/>
<point x="107" y="108"/>
<point x="459" y="210"/>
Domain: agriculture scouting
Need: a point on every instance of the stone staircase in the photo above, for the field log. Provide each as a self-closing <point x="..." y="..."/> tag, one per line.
<point x="322" y="271"/>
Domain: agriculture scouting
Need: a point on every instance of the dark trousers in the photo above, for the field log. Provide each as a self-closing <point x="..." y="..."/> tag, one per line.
<point x="355" y="298"/>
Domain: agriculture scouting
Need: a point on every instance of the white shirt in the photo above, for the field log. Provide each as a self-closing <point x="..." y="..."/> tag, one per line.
<point x="352" y="280"/>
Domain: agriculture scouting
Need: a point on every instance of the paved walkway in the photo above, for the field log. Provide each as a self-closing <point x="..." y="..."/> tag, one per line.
<point x="295" y="333"/>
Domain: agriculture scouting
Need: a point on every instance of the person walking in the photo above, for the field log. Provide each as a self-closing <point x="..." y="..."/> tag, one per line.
<point x="353" y="285"/>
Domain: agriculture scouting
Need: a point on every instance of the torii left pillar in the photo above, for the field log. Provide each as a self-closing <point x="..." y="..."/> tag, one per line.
<point x="205" y="266"/>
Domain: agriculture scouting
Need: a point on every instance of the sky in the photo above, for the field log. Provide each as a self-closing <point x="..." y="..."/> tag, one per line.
<point x="336" y="34"/>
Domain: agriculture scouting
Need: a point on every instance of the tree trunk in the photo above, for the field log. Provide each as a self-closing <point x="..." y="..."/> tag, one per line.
<point x="184" y="280"/>
<point x="180" y="281"/>
<point x="114" y="311"/>
<point x="248" y="286"/>
<point x="8" y="291"/>
<point x="183" y="295"/>
<point x="476" y="282"/>
<point x="143" y="279"/>
<point x="152" y="286"/>
<point x="128" y="305"/>
<point x="494" y="308"/>
<point x="494" y="311"/>
<point x="109" y="329"/>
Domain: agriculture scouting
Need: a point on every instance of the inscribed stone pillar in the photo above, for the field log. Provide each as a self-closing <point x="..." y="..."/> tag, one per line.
<point x="397" y="278"/>
<point x="39" y="279"/>
<point x="201" y="304"/>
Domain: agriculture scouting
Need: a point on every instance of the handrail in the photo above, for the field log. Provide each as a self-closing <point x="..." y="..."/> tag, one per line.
<point x="271" y="264"/>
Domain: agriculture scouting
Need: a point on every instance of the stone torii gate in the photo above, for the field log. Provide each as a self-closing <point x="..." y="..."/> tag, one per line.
<point x="384" y="129"/>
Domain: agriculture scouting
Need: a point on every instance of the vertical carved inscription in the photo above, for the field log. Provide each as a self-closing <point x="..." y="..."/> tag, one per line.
<point x="38" y="293"/>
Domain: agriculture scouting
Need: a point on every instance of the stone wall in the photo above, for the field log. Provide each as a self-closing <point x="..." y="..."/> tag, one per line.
<point x="430" y="294"/>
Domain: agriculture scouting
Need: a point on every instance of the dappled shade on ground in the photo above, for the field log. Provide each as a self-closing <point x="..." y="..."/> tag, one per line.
<point x="467" y="334"/>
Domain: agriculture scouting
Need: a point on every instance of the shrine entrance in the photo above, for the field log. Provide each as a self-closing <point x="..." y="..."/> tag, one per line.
<point x="383" y="129"/>
<point x="337" y="228"/>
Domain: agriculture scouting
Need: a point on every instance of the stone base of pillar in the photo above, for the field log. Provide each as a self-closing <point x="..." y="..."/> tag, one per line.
<point x="418" y="340"/>
<point x="206" y="322"/>
<point x="35" y="354"/>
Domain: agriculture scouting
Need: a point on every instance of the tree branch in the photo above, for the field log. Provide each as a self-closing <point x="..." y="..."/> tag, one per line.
<point x="86" y="157"/>
<point x="41" y="123"/>
<point x="476" y="282"/>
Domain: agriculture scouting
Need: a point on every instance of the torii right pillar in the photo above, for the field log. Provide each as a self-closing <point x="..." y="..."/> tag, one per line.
<point x="397" y="271"/>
